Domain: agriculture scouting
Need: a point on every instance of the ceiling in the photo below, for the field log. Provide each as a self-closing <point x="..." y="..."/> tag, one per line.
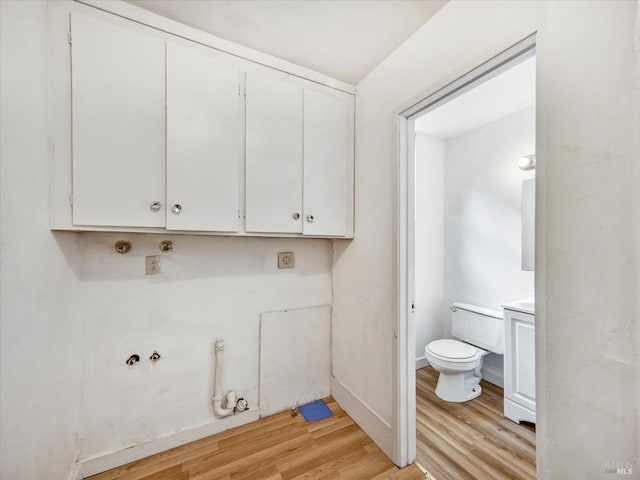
<point x="506" y="93"/>
<point x="344" y="39"/>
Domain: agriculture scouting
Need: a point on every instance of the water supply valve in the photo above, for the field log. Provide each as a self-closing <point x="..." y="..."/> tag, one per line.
<point x="242" y="405"/>
<point x="132" y="360"/>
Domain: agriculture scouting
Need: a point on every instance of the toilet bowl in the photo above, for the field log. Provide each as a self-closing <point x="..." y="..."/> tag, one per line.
<point x="477" y="331"/>
<point x="459" y="365"/>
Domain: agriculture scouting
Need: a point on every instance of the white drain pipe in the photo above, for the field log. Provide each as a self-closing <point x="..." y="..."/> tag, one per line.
<point x="217" y="395"/>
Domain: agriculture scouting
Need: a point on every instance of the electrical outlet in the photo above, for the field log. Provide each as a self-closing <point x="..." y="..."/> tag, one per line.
<point x="286" y="260"/>
<point x="152" y="265"/>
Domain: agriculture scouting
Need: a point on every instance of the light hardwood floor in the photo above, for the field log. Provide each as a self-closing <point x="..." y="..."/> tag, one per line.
<point x="279" y="447"/>
<point x="471" y="440"/>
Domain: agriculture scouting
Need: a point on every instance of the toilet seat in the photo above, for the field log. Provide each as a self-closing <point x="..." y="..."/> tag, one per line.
<point x="453" y="351"/>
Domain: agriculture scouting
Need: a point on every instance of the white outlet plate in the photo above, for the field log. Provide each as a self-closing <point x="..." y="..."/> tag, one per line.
<point x="286" y="260"/>
<point x="152" y="265"/>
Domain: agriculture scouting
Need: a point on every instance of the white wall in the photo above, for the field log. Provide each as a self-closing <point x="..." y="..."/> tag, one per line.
<point x="468" y="225"/>
<point x="210" y="287"/>
<point x="483" y="219"/>
<point x="587" y="143"/>
<point x="73" y="310"/>
<point x="431" y="309"/>
<point x="39" y="330"/>
<point x="590" y="149"/>
<point x="483" y="213"/>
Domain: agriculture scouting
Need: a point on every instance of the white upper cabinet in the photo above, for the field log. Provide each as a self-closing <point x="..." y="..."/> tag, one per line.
<point x="326" y="163"/>
<point x="118" y="117"/>
<point x="204" y="141"/>
<point x="273" y="155"/>
<point x="299" y="158"/>
<point x="157" y="133"/>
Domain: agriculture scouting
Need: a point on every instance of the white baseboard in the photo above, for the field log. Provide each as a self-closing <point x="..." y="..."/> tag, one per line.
<point x="421" y="362"/>
<point x="74" y="472"/>
<point x="106" y="462"/>
<point x="518" y="413"/>
<point x="375" y="427"/>
<point x="493" y="377"/>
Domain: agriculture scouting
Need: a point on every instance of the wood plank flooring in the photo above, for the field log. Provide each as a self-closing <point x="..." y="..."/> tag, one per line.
<point x="279" y="447"/>
<point x="471" y="440"/>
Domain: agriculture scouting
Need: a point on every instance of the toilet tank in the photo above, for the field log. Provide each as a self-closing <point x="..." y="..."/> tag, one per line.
<point x="479" y="326"/>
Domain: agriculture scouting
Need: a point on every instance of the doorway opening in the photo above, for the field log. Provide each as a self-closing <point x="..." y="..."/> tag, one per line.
<point x="464" y="238"/>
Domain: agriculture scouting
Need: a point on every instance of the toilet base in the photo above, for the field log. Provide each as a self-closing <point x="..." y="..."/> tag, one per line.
<point x="458" y="387"/>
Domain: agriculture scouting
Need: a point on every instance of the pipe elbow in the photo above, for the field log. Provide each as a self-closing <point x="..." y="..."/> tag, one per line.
<point x="218" y="410"/>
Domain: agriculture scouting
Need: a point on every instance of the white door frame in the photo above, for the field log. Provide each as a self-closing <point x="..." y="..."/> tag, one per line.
<point x="404" y="380"/>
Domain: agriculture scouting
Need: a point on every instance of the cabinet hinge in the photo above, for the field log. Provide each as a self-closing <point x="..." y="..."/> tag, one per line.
<point x="69" y="37"/>
<point x="71" y="200"/>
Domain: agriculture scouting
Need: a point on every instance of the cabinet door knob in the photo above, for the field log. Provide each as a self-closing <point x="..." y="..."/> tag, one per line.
<point x="155" y="206"/>
<point x="310" y="218"/>
<point x="296" y="216"/>
<point x="177" y="208"/>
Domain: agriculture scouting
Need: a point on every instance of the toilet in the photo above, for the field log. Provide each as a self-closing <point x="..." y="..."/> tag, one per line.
<point x="477" y="331"/>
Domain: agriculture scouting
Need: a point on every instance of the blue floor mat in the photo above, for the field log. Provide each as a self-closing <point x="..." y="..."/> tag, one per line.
<point x="315" y="411"/>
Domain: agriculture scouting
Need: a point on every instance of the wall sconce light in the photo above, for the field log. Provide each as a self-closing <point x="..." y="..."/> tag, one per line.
<point x="527" y="163"/>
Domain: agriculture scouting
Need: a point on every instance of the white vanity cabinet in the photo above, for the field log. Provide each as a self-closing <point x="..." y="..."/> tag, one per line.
<point x="298" y="159"/>
<point x="158" y="133"/>
<point x="519" y="365"/>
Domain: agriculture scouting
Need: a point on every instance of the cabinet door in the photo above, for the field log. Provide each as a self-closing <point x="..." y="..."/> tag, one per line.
<point x="204" y="135"/>
<point x="273" y="155"/>
<point x="326" y="159"/>
<point x="520" y="371"/>
<point x="118" y="92"/>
